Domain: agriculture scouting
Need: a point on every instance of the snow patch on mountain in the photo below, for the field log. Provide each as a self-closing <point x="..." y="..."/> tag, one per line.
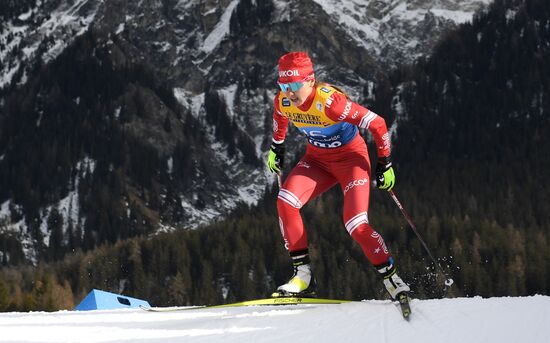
<point x="220" y="30"/>
<point x="391" y="29"/>
<point x="354" y="16"/>
<point x="42" y="35"/>
<point x="193" y="102"/>
<point x="228" y="94"/>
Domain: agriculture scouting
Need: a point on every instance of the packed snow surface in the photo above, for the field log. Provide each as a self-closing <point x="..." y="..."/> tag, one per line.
<point x="519" y="319"/>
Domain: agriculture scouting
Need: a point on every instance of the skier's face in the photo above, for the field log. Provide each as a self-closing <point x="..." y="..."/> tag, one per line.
<point x="299" y="96"/>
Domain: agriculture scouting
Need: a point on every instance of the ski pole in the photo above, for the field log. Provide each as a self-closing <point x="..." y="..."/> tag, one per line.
<point x="448" y="280"/>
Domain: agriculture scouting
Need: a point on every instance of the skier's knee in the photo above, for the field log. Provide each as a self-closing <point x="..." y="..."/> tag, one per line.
<point x="287" y="198"/>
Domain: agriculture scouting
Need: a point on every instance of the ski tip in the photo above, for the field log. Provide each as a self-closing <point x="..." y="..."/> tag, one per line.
<point x="406" y="314"/>
<point x="403" y="299"/>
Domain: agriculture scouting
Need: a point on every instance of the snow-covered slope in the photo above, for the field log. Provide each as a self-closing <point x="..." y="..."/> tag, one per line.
<point x="42" y="33"/>
<point x="398" y="32"/>
<point x="502" y="320"/>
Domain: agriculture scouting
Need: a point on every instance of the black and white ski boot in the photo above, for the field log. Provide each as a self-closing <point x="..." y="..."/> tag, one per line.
<point x="396" y="287"/>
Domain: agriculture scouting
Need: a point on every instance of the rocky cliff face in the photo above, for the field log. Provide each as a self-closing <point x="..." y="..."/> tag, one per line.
<point x="219" y="59"/>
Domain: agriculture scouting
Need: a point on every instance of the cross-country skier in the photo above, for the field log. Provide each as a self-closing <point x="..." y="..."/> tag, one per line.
<point x="336" y="154"/>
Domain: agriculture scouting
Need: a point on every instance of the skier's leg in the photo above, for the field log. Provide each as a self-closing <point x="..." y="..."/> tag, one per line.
<point x="356" y="188"/>
<point x="355" y="182"/>
<point x="306" y="181"/>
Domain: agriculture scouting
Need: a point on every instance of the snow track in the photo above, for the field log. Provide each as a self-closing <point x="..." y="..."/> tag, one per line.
<point x="446" y="320"/>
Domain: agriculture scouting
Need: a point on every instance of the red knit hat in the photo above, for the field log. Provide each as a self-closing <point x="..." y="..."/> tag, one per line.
<point x="295" y="67"/>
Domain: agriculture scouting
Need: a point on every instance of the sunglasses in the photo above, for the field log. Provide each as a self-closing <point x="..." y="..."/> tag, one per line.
<point x="292" y="86"/>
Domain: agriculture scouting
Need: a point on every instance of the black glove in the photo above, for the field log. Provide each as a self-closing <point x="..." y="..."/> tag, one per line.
<point x="276" y="157"/>
<point x="385" y="177"/>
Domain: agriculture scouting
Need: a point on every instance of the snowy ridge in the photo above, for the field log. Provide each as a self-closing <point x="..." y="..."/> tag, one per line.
<point x="52" y="32"/>
<point x="390" y="29"/>
<point x="503" y="320"/>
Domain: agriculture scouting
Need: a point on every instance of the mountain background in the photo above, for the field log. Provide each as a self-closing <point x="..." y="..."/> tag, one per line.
<point x="133" y="136"/>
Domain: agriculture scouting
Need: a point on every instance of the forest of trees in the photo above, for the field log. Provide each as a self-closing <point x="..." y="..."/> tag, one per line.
<point x="243" y="257"/>
<point x="471" y="157"/>
<point x="57" y="120"/>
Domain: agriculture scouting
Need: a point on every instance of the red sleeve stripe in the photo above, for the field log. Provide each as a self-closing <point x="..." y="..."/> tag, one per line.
<point x="367" y="119"/>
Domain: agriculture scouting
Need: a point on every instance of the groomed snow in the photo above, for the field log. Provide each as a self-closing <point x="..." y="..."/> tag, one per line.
<point x="461" y="320"/>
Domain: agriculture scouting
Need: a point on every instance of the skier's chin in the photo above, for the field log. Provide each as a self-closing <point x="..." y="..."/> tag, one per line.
<point x="296" y="101"/>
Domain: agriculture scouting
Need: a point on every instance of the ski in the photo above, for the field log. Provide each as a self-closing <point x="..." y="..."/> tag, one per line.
<point x="404" y="305"/>
<point x="170" y="309"/>
<point x="283" y="301"/>
<point x="402" y="301"/>
<point x="257" y="302"/>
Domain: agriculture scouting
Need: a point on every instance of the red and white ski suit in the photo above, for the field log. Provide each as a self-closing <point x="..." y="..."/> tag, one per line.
<point x="336" y="153"/>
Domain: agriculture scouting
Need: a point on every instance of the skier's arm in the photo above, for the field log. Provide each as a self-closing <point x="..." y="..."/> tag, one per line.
<point x="340" y="108"/>
<point x="276" y="155"/>
<point x="280" y="122"/>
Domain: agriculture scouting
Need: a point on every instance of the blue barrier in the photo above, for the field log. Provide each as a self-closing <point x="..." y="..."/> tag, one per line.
<point x="101" y="300"/>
